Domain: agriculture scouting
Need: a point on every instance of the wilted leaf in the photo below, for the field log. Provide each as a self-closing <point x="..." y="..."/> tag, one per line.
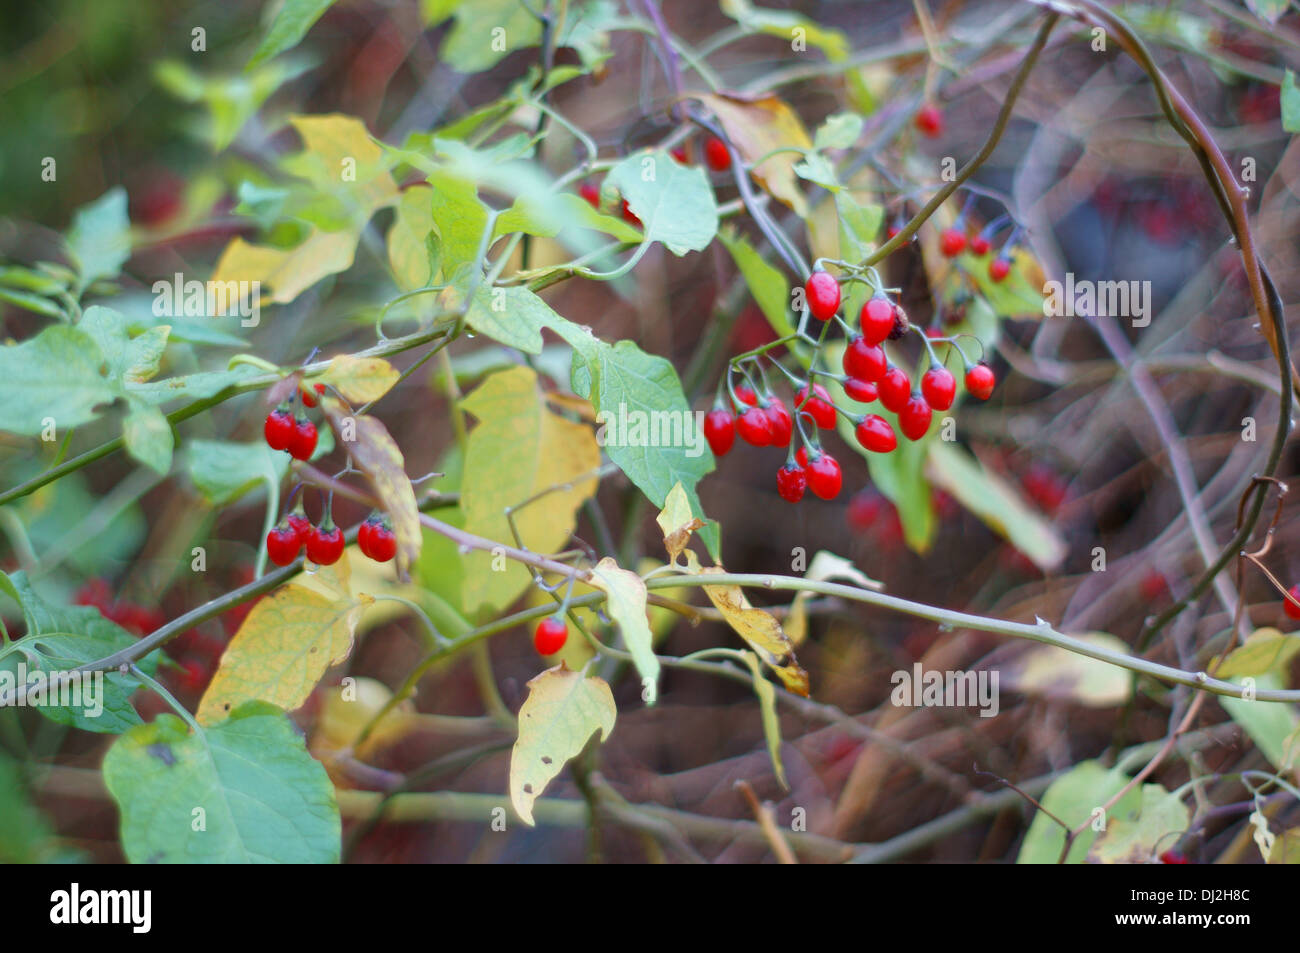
<point x="771" y="723"/>
<point x="360" y="380"/>
<point x="626" y="605"/>
<point x="824" y="567"/>
<point x="756" y="127"/>
<point x="677" y="521"/>
<point x="563" y="710"/>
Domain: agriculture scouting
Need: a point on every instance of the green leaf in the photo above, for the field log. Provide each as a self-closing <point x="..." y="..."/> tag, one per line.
<point x="859" y="226"/>
<point x="31" y="302"/>
<point x="622" y="380"/>
<point x="148" y="437"/>
<point x="60" y="374"/>
<point x="461" y="218"/>
<point x="414" y="252"/>
<point x="1290" y="103"/>
<point x="1273" y="726"/>
<point x="513" y="315"/>
<point x="99" y="240"/>
<point x="1074" y="797"/>
<point x="626" y="604"/>
<point x="223" y="471"/>
<point x="997" y="503"/>
<point x="766" y="283"/>
<point x="191" y="386"/>
<point x="472" y="45"/>
<point x="260" y="797"/>
<point x="674" y="202"/>
<point x="1139" y="837"/>
<point x="565" y="210"/>
<point x="838" y="131"/>
<point x="291" y="24"/>
<point x="766" y="693"/>
<point x="561" y="713"/>
<point x="61" y="638"/>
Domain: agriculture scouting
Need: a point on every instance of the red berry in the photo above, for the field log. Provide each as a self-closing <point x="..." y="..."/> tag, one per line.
<point x="300" y="525"/>
<point x="819" y="408"/>
<point x="999" y="268"/>
<point x="939" y="387"/>
<point x="325" y="546"/>
<point x="745" y="394"/>
<point x="864" y="392"/>
<point x="929" y="120"/>
<point x="591" y="193"/>
<point x="892" y="231"/>
<point x="679" y="155"/>
<point x="824" y="477"/>
<point x="629" y="216"/>
<point x="864" y="361"/>
<point x="376" y="540"/>
<point x="895" y="389"/>
<point x="1153" y="586"/>
<point x="877" y="320"/>
<point x="283" y="544"/>
<point x="1045" y="487"/>
<point x="801" y="457"/>
<point x="875" y="434"/>
<point x="979" y="246"/>
<point x="779" y="423"/>
<point x="193" y="676"/>
<point x="980" y="380"/>
<point x="864" y="509"/>
<point x="1291" y="609"/>
<point x="791" y="481"/>
<point x="952" y="242"/>
<point x="310" y="394"/>
<point x="550" y="635"/>
<point x="754" y="427"/>
<point x="823" y="294"/>
<point x="716" y="154"/>
<point x="303" y="442"/>
<point x="720" y="430"/>
<point x="1173" y="857"/>
<point x="278" y="429"/>
<point x="914" y="418"/>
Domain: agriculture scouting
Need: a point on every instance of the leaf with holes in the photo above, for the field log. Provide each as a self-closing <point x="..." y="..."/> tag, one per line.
<point x="561" y="713"/>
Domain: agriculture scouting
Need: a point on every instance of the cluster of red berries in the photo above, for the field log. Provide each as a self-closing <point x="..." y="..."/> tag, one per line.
<point x="284" y="430"/>
<point x="952" y="242"/>
<point x="764" y="420"/>
<point x="324" y="543"/>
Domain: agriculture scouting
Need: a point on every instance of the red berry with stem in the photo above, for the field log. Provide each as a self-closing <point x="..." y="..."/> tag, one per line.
<point x="325" y="544"/>
<point x="875" y="434"/>
<point x="824" y="476"/>
<point x="720" y="430"/>
<point x="939" y="387"/>
<point x="754" y="427"/>
<point x="791" y="481"/>
<point x="980" y="380"/>
<point x="745" y="394"/>
<point x="278" y="429"/>
<point x="952" y="242"/>
<point x="376" y="540"/>
<point x="591" y="193"/>
<point x="1290" y="608"/>
<point x="980" y="246"/>
<point x="929" y="121"/>
<point x="864" y="361"/>
<point x="303" y="442"/>
<point x="283" y="544"/>
<point x="819" y="408"/>
<point x="311" y="394"/>
<point x="823" y="295"/>
<point x="300" y="525"/>
<point x="864" y="392"/>
<point x="999" y="268"/>
<point x="550" y="635"/>
<point x="877" y="319"/>
<point x="716" y="154"/>
<point x="895" y="389"/>
<point x="779" y="423"/>
<point x="914" y="418"/>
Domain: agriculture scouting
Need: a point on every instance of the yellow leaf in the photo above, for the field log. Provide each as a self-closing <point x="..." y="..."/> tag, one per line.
<point x="626" y="605"/>
<point x="408" y="251"/>
<point x="518" y="449"/>
<point x="677" y="522"/>
<point x="376" y="453"/>
<point x="771" y="723"/>
<point x="338" y="151"/>
<point x="288" y="272"/>
<point x="563" y="710"/>
<point x="347" y="709"/>
<point x="287" y="642"/>
<point x="757" y="126"/>
<point x="360" y="379"/>
<point x="1052" y="672"/>
<point x="1266" y="650"/>
<point x="757" y="627"/>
